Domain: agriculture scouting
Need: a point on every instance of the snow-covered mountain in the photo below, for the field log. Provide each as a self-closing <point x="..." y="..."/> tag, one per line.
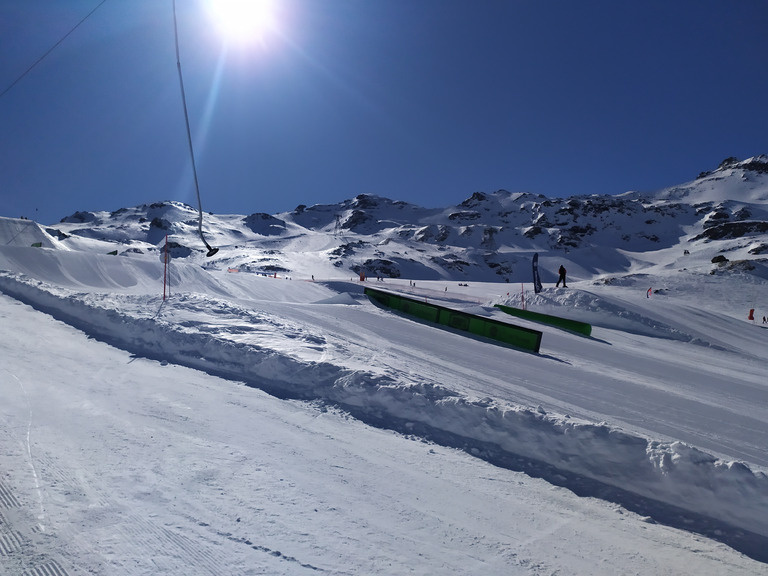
<point x="718" y="221"/>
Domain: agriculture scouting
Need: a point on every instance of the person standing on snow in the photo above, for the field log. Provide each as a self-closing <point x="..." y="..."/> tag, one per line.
<point x="561" y="271"/>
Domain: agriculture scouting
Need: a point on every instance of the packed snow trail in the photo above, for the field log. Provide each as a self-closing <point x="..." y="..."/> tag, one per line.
<point x="150" y="468"/>
<point x="198" y="331"/>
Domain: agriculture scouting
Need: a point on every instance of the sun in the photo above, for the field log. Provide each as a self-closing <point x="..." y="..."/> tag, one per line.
<point x="243" y="21"/>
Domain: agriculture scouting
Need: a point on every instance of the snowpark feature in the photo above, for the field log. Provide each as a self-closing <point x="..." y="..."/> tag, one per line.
<point x="517" y="336"/>
<point x="564" y="323"/>
<point x="662" y="411"/>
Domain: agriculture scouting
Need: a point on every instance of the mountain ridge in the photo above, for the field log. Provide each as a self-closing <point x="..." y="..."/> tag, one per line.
<point x="716" y="222"/>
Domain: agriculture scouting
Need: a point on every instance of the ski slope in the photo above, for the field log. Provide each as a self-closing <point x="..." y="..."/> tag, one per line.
<point x="134" y="446"/>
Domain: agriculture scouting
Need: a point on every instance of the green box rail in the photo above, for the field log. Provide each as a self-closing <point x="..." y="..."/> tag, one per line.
<point x="517" y="336"/>
<point x="548" y="319"/>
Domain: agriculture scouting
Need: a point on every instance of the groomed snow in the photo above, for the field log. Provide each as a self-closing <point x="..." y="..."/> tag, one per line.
<point x="133" y="446"/>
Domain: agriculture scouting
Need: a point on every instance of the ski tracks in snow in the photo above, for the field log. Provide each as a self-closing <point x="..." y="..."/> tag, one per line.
<point x="30" y="459"/>
<point x="21" y="530"/>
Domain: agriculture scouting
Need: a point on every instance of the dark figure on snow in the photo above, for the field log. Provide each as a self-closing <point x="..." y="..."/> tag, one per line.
<point x="561" y="271"/>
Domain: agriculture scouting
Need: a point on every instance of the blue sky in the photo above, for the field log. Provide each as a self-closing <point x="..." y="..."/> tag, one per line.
<point x="425" y="101"/>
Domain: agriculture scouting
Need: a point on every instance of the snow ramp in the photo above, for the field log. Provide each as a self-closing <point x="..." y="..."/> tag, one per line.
<point x="23" y="232"/>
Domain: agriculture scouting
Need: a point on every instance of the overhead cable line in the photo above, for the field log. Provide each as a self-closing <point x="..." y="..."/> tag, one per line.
<point x="51" y="49"/>
<point x="211" y="251"/>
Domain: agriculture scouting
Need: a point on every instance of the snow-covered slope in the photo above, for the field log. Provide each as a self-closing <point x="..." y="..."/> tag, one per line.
<point x="664" y="410"/>
<point x="118" y="464"/>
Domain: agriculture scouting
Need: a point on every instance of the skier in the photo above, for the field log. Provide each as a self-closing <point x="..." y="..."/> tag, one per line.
<point x="561" y="271"/>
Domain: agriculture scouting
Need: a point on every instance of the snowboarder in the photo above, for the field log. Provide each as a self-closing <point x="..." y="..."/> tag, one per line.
<point x="561" y="271"/>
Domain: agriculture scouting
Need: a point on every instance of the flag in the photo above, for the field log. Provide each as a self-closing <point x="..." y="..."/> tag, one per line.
<point x="536" y="280"/>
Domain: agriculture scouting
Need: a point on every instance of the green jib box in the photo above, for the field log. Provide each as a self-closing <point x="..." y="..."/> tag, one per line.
<point x="516" y="336"/>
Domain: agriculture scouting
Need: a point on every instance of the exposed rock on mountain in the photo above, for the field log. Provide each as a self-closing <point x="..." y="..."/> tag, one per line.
<point x="488" y="236"/>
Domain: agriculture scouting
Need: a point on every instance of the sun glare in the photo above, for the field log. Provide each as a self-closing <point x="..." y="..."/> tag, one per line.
<point x="242" y="21"/>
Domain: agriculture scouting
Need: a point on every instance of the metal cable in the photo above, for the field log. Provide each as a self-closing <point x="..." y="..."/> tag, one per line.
<point x="211" y="251"/>
<point x="51" y="49"/>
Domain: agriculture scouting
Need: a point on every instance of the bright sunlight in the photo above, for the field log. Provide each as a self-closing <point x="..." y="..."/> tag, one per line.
<point x="243" y="21"/>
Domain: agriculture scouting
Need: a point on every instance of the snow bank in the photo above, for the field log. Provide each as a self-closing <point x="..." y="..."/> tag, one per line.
<point x="207" y="332"/>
